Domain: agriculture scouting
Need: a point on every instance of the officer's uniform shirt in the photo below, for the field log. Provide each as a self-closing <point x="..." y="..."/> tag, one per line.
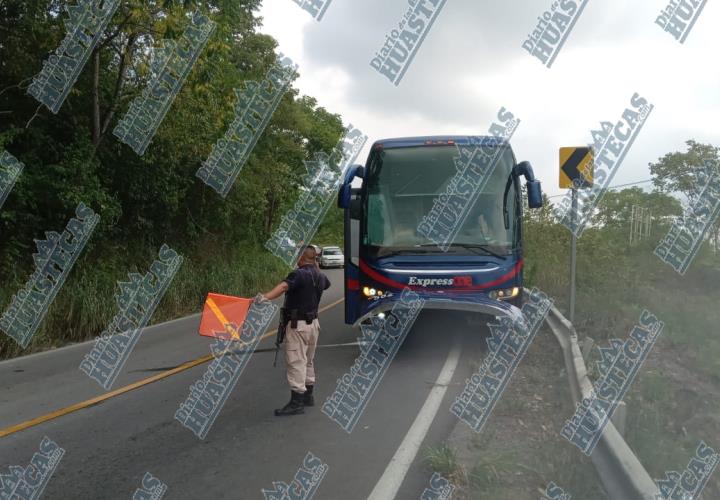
<point x="305" y="287"/>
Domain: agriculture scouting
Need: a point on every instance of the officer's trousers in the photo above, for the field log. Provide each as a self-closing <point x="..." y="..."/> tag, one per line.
<point x="300" y="345"/>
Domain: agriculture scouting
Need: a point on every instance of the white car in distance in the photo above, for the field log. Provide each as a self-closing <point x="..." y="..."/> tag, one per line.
<point x="331" y="257"/>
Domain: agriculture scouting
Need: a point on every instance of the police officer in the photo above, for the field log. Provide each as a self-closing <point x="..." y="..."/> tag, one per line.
<point x="303" y="288"/>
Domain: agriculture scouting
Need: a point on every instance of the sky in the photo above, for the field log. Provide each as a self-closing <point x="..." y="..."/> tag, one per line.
<point x="471" y="64"/>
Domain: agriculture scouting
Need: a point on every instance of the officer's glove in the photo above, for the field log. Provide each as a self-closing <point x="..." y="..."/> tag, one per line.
<point x="260" y="299"/>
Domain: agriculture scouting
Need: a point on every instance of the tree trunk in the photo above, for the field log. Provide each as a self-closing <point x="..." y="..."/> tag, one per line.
<point x="270" y="215"/>
<point x="96" y="98"/>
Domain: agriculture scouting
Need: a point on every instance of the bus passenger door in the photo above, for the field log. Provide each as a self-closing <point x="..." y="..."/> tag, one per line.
<point x="350" y="199"/>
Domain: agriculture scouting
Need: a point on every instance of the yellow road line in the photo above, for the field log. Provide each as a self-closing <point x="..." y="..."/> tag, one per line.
<point x="122" y="390"/>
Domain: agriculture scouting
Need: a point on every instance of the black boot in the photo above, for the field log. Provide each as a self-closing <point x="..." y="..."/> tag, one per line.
<point x="309" y="399"/>
<point x="294" y="407"/>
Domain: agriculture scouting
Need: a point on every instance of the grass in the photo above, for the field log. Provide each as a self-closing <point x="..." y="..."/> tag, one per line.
<point x="487" y="475"/>
<point x="673" y="404"/>
<point x="442" y="459"/>
<point x="86" y="303"/>
<point x="520" y="450"/>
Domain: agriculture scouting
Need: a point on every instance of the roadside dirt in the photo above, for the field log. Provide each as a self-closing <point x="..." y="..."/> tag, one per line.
<point x="520" y="450"/>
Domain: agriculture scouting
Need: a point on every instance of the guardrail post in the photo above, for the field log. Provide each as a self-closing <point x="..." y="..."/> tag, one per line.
<point x="619" y="418"/>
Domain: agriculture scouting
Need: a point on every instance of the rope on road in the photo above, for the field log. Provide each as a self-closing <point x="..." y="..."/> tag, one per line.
<point x="136" y="385"/>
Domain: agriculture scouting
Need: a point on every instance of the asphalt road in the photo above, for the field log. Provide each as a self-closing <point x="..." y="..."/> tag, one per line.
<point x="110" y="446"/>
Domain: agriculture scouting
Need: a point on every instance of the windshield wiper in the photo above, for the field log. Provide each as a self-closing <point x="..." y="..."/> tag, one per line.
<point x="381" y="255"/>
<point x="438" y="249"/>
<point x="484" y="248"/>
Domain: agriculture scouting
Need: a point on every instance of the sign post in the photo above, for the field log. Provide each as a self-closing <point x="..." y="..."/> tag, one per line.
<point x="573" y="256"/>
<point x="576" y="172"/>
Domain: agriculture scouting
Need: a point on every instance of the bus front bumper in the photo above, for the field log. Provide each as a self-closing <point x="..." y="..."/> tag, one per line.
<point x="476" y="304"/>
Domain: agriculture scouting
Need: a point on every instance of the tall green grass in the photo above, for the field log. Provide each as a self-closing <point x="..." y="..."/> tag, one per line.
<point x="615" y="282"/>
<point x="669" y="409"/>
<point x="85" y="304"/>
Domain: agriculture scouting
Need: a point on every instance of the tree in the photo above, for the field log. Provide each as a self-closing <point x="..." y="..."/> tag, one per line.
<point x="615" y="208"/>
<point x="678" y="171"/>
<point x="682" y="172"/>
<point x="155" y="198"/>
<point x="149" y="199"/>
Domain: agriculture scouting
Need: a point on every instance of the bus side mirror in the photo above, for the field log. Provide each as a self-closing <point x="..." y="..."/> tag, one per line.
<point x="345" y="193"/>
<point x="344" y="196"/>
<point x="534" y="192"/>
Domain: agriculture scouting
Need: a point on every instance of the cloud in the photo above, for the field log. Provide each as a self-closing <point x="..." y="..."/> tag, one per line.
<point x="472" y="63"/>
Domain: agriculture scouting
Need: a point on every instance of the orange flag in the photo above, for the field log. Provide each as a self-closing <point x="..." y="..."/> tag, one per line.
<point x="223" y="316"/>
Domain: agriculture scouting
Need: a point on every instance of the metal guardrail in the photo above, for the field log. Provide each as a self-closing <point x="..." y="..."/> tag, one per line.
<point x="621" y="473"/>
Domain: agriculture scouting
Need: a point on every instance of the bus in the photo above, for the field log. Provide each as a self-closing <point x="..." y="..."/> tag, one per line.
<point x="384" y="202"/>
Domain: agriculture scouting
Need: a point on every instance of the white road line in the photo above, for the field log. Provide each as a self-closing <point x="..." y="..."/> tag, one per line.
<point x="394" y="475"/>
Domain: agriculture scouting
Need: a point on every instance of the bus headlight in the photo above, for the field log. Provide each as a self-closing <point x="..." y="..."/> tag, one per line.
<point x="372" y="292"/>
<point x="505" y="293"/>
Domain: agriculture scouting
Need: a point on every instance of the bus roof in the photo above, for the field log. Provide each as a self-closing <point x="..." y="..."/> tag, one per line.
<point x="435" y="140"/>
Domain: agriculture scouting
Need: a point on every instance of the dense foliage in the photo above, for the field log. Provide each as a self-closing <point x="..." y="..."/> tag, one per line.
<point x="147" y="200"/>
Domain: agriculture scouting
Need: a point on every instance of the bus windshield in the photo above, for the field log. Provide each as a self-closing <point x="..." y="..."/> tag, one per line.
<point x="402" y="184"/>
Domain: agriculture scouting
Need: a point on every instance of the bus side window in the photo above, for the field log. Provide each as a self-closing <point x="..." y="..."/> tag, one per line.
<point x="355" y="241"/>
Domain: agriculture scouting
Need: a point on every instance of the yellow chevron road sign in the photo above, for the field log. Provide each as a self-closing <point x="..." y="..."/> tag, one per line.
<point x="576" y="164"/>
